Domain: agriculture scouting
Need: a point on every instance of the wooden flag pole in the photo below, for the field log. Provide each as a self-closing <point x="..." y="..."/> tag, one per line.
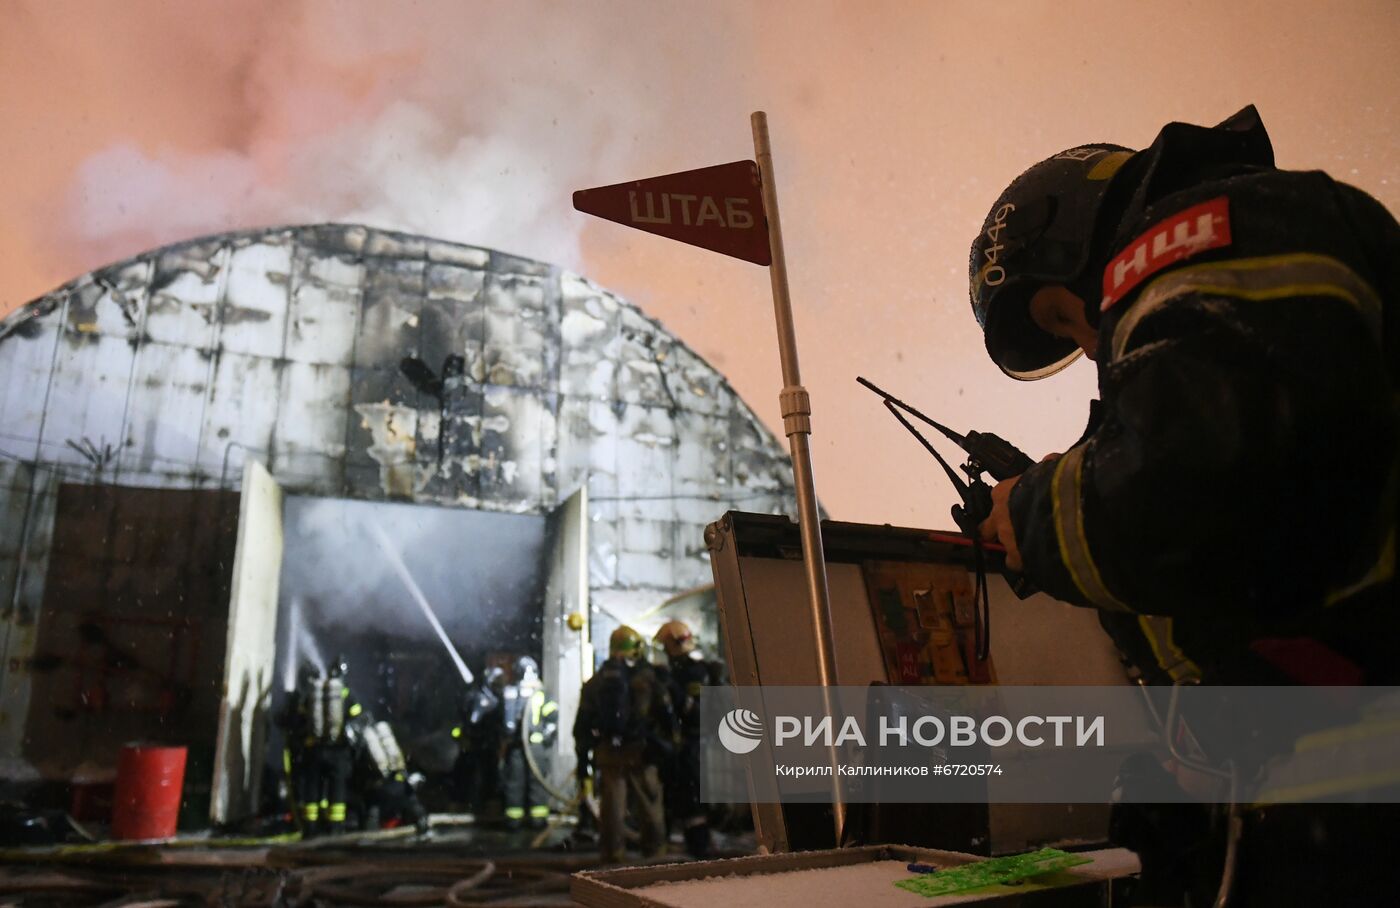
<point x="797" y="423"/>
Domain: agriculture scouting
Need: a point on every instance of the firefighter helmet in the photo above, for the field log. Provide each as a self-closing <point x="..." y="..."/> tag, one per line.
<point x="494" y="678"/>
<point x="527" y="670"/>
<point x="625" y="642"/>
<point x="675" y="637"/>
<point x="1040" y="231"/>
<point x="340" y="666"/>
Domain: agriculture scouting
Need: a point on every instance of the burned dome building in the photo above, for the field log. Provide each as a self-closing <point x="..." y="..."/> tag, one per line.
<point x="168" y="423"/>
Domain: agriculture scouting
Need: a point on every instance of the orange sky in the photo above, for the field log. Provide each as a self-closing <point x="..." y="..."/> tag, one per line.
<point x="895" y="124"/>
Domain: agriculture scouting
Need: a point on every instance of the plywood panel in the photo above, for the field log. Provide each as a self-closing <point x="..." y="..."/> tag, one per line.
<point x="251" y="649"/>
<point x="781" y="623"/>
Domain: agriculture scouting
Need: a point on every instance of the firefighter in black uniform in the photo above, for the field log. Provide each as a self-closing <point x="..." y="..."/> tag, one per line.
<point x="626" y="727"/>
<point x="686" y="673"/>
<point x="299" y="756"/>
<point x="528" y="719"/>
<point x="336" y="724"/>
<point x="479" y="737"/>
<point x="392" y="791"/>
<point x="1231" y="509"/>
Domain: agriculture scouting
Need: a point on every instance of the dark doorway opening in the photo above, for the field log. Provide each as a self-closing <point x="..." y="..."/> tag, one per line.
<point x="482" y="574"/>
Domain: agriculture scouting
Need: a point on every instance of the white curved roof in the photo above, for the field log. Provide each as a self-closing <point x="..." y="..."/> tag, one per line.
<point x="169" y="368"/>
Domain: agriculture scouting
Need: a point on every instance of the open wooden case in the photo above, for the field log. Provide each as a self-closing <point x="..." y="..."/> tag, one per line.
<point x="902" y="613"/>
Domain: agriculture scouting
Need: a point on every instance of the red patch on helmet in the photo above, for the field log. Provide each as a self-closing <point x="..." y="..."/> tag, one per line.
<point x="1197" y="229"/>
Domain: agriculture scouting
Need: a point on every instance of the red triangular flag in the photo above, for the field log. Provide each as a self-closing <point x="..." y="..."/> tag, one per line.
<point x="719" y="208"/>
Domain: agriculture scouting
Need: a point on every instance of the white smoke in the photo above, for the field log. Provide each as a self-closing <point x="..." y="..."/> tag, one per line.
<point x="481" y="572"/>
<point x="399" y="171"/>
<point x="471" y="124"/>
<point x="301" y="645"/>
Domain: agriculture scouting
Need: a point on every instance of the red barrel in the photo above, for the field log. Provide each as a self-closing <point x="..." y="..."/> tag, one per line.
<point x="146" y="803"/>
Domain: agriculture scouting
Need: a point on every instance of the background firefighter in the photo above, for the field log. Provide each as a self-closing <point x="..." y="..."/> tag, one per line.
<point x="1243" y="322"/>
<point x="478" y="768"/>
<point x="335" y="726"/>
<point x="300" y="759"/>
<point x="393" y="799"/>
<point x="685" y="674"/>
<point x="528" y="719"/>
<point x="626" y="726"/>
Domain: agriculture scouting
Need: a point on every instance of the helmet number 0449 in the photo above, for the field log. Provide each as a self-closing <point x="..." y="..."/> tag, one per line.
<point x="992" y="273"/>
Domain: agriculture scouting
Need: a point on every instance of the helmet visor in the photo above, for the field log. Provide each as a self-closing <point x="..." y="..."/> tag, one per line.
<point x="1023" y="349"/>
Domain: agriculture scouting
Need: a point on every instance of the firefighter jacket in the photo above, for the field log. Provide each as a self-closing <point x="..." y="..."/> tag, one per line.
<point x="295" y="718"/>
<point x="384" y="751"/>
<point x="481" y="719"/>
<point x="685" y="677"/>
<point x="527" y="705"/>
<point x="334" y="715"/>
<point x="1237" y="497"/>
<point x="624" y="707"/>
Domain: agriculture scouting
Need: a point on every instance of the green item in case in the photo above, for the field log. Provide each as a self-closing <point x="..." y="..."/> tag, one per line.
<point x="990" y="872"/>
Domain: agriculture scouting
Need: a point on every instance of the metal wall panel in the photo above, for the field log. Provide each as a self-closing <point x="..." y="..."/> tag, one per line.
<point x="165" y="414"/>
<point x="186" y="286"/>
<point x="239" y="412"/>
<point x="87" y="397"/>
<point x="309" y="437"/>
<point x="325" y="309"/>
<point x="27" y="353"/>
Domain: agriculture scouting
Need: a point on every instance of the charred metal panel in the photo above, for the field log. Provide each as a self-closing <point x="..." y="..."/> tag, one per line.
<point x="571" y="454"/>
<point x="91" y="381"/>
<point x="505" y="263"/>
<point x="646" y="444"/>
<point x="160" y="439"/>
<point x="393" y="302"/>
<point x="382" y="430"/>
<point x="759" y="464"/>
<point x="186" y="285"/>
<point x="392" y="430"/>
<point x="453" y="320"/>
<point x="343" y="241"/>
<point x="702" y="466"/>
<point x="383" y="244"/>
<point x="113" y="304"/>
<point x="27" y="355"/>
<point x="646" y="452"/>
<point x="454" y="254"/>
<point x="604" y="418"/>
<point x="590" y="340"/>
<point x="521" y="347"/>
<point x="644" y="345"/>
<point x="308" y="442"/>
<point x="325" y="309"/>
<point x="253" y="313"/>
<point x="240" y="409"/>
<point x="514" y="423"/>
<point x="449" y="444"/>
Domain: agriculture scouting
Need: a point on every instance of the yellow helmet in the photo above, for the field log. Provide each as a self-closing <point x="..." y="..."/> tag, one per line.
<point x="675" y="637"/>
<point x="625" y="642"/>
